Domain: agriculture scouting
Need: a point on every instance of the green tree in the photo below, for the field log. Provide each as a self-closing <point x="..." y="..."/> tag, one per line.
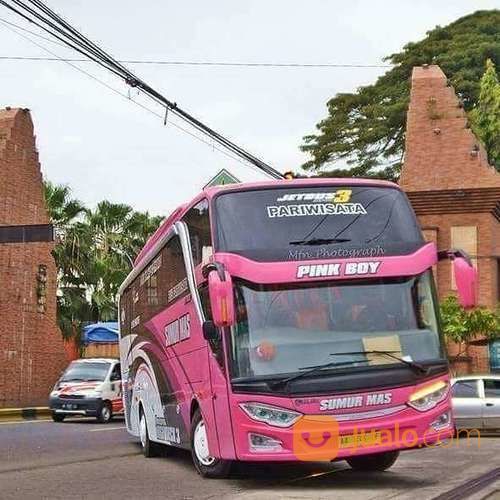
<point x="365" y="129"/>
<point x="485" y="116"/>
<point x="94" y="252"/>
<point x="66" y="214"/>
<point x="463" y="326"/>
<point x="114" y="236"/>
<point x="62" y="209"/>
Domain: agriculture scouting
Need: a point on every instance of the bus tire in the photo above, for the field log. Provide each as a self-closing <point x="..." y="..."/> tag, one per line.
<point x="206" y="466"/>
<point x="149" y="448"/>
<point x="376" y="462"/>
<point x="58" y="417"/>
<point x="104" y="413"/>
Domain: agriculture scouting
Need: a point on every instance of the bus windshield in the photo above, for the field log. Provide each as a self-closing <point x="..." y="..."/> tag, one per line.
<point x="299" y="223"/>
<point x="287" y="328"/>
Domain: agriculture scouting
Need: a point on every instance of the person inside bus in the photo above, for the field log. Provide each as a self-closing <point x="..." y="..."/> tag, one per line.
<point x="300" y="309"/>
<point x="368" y="313"/>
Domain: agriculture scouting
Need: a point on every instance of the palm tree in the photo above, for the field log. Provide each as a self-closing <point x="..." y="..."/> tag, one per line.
<point x="94" y="252"/>
<point x="63" y="210"/>
<point x="66" y="213"/>
<point x="116" y="234"/>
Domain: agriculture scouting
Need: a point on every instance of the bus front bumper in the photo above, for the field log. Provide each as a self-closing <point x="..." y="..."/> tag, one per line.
<point x="408" y="429"/>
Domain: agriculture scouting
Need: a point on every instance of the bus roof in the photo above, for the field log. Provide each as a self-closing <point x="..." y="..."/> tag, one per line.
<point x="211" y="192"/>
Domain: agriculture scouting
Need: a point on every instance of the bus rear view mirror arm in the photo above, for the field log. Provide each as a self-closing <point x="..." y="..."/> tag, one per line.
<point x="465" y="276"/>
<point x="453" y="254"/>
<point x="220" y="290"/>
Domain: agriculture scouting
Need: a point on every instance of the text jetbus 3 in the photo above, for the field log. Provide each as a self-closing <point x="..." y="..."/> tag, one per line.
<point x="285" y="321"/>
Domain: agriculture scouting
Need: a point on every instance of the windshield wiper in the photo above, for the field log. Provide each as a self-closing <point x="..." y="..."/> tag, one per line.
<point x="319" y="241"/>
<point x="309" y="370"/>
<point x="417" y="367"/>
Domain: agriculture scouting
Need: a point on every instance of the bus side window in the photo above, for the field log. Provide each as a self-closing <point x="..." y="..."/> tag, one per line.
<point x="198" y="222"/>
<point x="125" y="313"/>
<point x="215" y="345"/>
<point x="161" y="283"/>
<point x="173" y="278"/>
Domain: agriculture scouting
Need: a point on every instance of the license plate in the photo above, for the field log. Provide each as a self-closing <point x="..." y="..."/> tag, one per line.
<point x="69" y="406"/>
<point x="360" y="439"/>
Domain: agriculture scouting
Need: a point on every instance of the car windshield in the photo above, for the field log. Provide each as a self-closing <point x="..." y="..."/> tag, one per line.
<point x="318" y="222"/>
<point x="84" y="372"/>
<point x="286" y="329"/>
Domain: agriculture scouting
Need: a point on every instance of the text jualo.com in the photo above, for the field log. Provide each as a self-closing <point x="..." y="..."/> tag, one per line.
<point x="318" y="438"/>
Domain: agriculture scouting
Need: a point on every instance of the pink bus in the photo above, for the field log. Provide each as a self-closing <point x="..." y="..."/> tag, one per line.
<point x="286" y="321"/>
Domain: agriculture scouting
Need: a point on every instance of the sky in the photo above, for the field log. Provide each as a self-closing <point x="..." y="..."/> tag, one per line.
<point x="104" y="146"/>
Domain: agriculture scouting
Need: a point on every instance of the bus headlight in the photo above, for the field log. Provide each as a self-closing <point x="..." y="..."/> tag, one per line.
<point x="428" y="397"/>
<point x="272" y="415"/>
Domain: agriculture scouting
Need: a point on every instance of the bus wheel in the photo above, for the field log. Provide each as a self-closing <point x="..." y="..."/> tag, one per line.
<point x="149" y="448"/>
<point x="206" y="465"/>
<point x="373" y="463"/>
<point x="58" y="417"/>
<point x="104" y="414"/>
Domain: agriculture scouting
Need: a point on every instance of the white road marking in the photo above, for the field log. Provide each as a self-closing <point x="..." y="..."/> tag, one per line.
<point x="107" y="429"/>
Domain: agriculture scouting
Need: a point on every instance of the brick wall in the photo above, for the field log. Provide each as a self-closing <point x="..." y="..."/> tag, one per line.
<point x="443" y="155"/>
<point x="31" y="348"/>
<point x="486" y="261"/>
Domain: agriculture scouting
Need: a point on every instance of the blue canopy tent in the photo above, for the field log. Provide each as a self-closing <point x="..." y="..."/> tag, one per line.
<point x="100" y="333"/>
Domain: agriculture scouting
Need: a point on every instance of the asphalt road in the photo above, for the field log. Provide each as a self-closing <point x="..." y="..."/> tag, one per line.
<point x="83" y="459"/>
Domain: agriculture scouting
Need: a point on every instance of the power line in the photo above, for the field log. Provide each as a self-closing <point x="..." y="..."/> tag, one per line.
<point x="14" y="25"/>
<point x="43" y="17"/>
<point x="203" y="63"/>
<point x="190" y="63"/>
<point x="128" y="97"/>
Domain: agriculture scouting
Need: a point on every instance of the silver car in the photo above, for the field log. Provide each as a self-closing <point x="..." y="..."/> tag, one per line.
<point x="476" y="401"/>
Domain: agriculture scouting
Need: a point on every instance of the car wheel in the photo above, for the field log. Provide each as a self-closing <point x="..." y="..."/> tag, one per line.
<point x="149" y="448"/>
<point x="205" y="464"/>
<point x="58" y="417"/>
<point x="104" y="414"/>
<point x="373" y="463"/>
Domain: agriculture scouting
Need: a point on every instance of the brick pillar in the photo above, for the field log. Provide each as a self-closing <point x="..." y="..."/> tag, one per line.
<point x="31" y="347"/>
<point x="452" y="187"/>
<point x="441" y="151"/>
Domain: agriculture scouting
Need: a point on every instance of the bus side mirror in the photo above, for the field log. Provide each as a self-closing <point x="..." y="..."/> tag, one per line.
<point x="465" y="276"/>
<point x="210" y="332"/>
<point x="466" y="280"/>
<point x="220" y="290"/>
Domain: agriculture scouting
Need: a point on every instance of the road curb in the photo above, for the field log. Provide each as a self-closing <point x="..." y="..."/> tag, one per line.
<point x="32" y="413"/>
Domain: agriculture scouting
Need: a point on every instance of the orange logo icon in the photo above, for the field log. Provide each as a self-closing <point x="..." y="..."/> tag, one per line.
<point x="316" y="438"/>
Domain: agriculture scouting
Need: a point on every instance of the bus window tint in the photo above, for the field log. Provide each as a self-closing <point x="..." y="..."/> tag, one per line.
<point x="198" y="222"/>
<point x="297" y="223"/>
<point x="162" y="282"/>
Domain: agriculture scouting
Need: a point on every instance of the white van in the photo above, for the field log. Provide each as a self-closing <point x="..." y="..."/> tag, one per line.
<point x="90" y="387"/>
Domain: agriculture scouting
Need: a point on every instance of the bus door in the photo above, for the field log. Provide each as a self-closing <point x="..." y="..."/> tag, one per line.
<point x="218" y="376"/>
